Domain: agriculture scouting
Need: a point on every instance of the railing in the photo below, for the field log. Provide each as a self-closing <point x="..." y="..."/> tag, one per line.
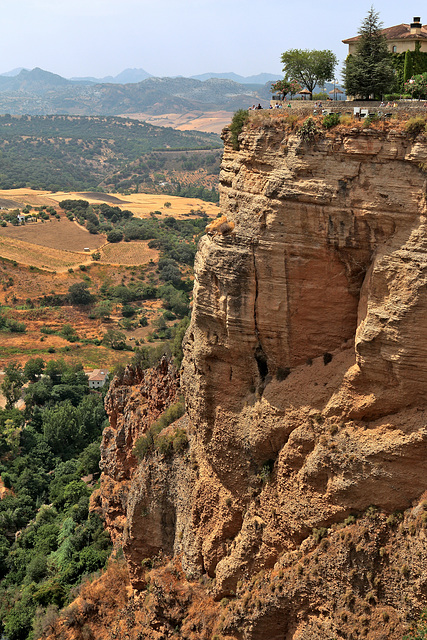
<point x="403" y="108"/>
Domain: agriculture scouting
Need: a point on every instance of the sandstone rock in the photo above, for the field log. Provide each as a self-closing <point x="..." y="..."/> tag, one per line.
<point x="305" y="390"/>
<point x="134" y="401"/>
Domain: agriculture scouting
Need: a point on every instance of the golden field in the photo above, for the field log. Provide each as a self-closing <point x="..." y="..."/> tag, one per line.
<point x="128" y="253"/>
<point x="44" y="258"/>
<point x="57" y="245"/>
<point x="31" y="254"/>
<point x="55" y="234"/>
<point x="141" y="204"/>
<point x="204" y="121"/>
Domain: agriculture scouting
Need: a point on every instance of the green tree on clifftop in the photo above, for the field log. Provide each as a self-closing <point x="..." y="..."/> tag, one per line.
<point x="309" y="67"/>
<point x="369" y="71"/>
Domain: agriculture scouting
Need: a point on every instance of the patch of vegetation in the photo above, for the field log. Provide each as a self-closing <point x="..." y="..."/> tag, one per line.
<point x="331" y="120"/>
<point x="319" y="534"/>
<point x="45" y="451"/>
<point x="415" y="126"/>
<point x="419" y="630"/>
<point x="74" y="153"/>
<point x="308" y="130"/>
<point x="9" y="324"/>
<point x="265" y="472"/>
<point x="165" y="444"/>
<point x="394" y="518"/>
<point x="372" y="118"/>
<point x="239" y="120"/>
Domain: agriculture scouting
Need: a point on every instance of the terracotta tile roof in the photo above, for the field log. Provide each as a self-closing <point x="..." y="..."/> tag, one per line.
<point x="398" y="32"/>
<point x="98" y="374"/>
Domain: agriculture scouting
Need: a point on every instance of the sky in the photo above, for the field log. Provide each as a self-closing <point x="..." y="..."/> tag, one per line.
<point x="179" y="37"/>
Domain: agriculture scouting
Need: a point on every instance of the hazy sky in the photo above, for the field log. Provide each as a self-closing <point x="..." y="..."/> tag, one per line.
<point x="178" y="37"/>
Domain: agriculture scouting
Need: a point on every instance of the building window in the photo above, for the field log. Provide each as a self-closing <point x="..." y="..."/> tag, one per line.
<point x="394" y="49"/>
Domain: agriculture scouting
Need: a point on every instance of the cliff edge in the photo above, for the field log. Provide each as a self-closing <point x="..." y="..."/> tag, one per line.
<point x="299" y="500"/>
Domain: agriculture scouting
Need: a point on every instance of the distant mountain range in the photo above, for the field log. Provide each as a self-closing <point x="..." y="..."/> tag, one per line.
<point x="125" y="77"/>
<point x="261" y="78"/>
<point x="39" y="92"/>
<point x="138" y="75"/>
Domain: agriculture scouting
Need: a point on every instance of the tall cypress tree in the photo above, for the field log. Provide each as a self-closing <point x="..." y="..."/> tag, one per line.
<point x="407" y="67"/>
<point x="369" y="71"/>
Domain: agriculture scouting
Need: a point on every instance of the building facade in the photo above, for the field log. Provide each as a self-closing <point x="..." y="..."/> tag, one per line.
<point x="400" y="38"/>
<point x="97" y="378"/>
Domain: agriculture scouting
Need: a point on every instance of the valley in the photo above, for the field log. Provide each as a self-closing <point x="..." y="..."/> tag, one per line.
<point x="41" y="260"/>
<point x="145" y="166"/>
<point x="213" y="318"/>
<point x="262" y="470"/>
<point x="60" y="153"/>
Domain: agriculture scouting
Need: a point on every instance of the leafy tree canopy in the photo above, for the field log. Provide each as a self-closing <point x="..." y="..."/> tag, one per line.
<point x="286" y="86"/>
<point x="417" y="86"/>
<point x="12" y="383"/>
<point x="34" y="368"/>
<point x="79" y="293"/>
<point x="369" y="71"/>
<point x="309" y="67"/>
<point x="44" y="451"/>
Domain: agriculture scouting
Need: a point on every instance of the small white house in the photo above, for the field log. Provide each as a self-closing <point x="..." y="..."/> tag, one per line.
<point x="97" y="378"/>
<point x="21" y="218"/>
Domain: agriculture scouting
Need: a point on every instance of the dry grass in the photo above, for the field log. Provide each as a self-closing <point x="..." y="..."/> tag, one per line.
<point x="32" y="344"/>
<point x="63" y="241"/>
<point x="105" y="607"/>
<point x="142" y="204"/>
<point x="56" y="234"/>
<point x="37" y="256"/>
<point x="292" y="120"/>
<point x="128" y="253"/>
<point x="34" y="284"/>
<point x="97" y="602"/>
<point x="207" y="121"/>
<point x="24" y="196"/>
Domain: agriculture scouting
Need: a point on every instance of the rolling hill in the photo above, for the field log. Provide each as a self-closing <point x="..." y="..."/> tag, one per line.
<point x="39" y="92"/>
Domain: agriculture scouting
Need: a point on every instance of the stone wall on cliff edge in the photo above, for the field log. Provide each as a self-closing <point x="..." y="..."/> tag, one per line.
<point x="303" y="373"/>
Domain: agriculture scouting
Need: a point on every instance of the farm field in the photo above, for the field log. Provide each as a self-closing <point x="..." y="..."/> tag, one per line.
<point x="93" y="357"/>
<point x="41" y="261"/>
<point x="209" y="121"/>
<point x="141" y="204"/>
<point x="34" y="343"/>
<point x="10" y="198"/>
<point x="19" y="347"/>
<point x="34" y="255"/>
<point x="22" y="282"/>
<point x="128" y="253"/>
<point x="58" y="245"/>
<point x="56" y="234"/>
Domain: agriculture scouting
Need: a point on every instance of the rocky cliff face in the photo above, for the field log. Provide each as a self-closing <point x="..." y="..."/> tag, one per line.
<point x="305" y="387"/>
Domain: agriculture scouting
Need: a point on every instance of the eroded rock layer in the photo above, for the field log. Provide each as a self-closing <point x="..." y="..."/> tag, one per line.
<point x="305" y="386"/>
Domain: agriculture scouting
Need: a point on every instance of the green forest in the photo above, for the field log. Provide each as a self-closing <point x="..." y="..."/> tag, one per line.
<point x="48" y="539"/>
<point x="50" y="447"/>
<point x="49" y="451"/>
<point x="98" y="153"/>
